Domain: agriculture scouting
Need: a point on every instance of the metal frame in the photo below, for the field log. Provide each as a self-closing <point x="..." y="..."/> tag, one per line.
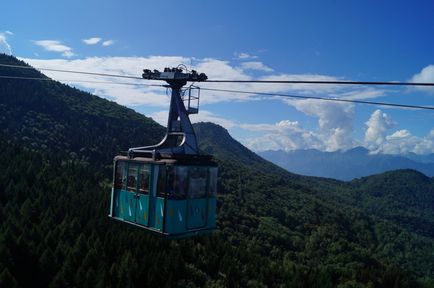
<point x="180" y="138"/>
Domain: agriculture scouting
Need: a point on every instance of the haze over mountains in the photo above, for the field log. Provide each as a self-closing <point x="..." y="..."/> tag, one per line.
<point x="275" y="228"/>
<point x="347" y="165"/>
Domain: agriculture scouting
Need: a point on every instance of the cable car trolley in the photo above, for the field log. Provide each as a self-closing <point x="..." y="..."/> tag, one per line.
<point x="169" y="188"/>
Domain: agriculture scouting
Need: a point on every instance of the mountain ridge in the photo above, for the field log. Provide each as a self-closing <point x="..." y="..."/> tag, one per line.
<point x="344" y="165"/>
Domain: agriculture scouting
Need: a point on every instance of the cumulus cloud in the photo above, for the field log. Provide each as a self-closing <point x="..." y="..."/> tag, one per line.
<point x="255" y="65"/>
<point x="378" y="139"/>
<point x="402" y="142"/>
<point x="55" y="46"/>
<point x="214" y="68"/>
<point x="108" y="43"/>
<point x="399" y="134"/>
<point x="378" y="125"/>
<point x="5" y="47"/>
<point x="335" y="122"/>
<point x="92" y="41"/>
<point x="133" y="94"/>
<point x="284" y="135"/>
<point x="425" y="75"/>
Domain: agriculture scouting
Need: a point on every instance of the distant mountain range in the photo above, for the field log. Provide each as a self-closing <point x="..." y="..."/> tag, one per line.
<point x="347" y="165"/>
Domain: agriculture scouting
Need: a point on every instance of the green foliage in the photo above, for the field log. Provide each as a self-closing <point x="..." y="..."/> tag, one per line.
<point x="53" y="117"/>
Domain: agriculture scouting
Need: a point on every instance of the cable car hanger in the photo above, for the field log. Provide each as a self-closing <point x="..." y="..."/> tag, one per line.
<point x="180" y="138"/>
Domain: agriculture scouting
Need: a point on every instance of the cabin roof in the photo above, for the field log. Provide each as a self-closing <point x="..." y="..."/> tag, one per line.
<point x="202" y="160"/>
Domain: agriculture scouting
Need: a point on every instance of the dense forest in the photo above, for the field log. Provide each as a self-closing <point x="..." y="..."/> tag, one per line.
<point x="275" y="228"/>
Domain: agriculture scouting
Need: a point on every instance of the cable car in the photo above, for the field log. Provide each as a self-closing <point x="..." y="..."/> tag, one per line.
<point x="170" y="188"/>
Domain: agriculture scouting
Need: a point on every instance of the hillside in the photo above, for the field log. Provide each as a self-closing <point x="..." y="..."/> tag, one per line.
<point x="275" y="228"/>
<point x="53" y="117"/>
<point x="346" y="165"/>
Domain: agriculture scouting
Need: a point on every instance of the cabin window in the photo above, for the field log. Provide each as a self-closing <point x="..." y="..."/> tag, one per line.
<point x="161" y="184"/>
<point x="144" y="177"/>
<point x="177" y="182"/>
<point x="132" y="177"/>
<point x="212" y="188"/>
<point x="197" y="180"/>
<point x="120" y="175"/>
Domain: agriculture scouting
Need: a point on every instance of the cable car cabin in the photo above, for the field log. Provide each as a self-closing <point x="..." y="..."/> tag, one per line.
<point x="173" y="198"/>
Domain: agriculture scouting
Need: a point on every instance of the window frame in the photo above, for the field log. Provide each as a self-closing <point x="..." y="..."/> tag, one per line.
<point x="204" y="193"/>
<point x="128" y="187"/>
<point x="121" y="184"/>
<point x="212" y="192"/>
<point x="162" y="170"/>
<point x="173" y="190"/>
<point x="144" y="167"/>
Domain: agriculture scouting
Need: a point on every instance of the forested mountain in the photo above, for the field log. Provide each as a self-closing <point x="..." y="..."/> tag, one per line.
<point x="347" y="165"/>
<point x="52" y="117"/>
<point x="275" y="228"/>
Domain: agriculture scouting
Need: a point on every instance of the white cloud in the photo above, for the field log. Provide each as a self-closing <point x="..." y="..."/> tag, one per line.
<point x="160" y="117"/>
<point x="425" y="75"/>
<point x="5" y="47"/>
<point x="130" y="95"/>
<point x="335" y="122"/>
<point x="244" y="56"/>
<point x="203" y="116"/>
<point x="9" y="32"/>
<point x="214" y="68"/>
<point x="399" y="135"/>
<point x="92" y="41"/>
<point x="108" y="43"/>
<point x="284" y="135"/>
<point x="55" y="46"/>
<point x="255" y="65"/>
<point x="207" y="116"/>
<point x="306" y="89"/>
<point x="378" y="125"/>
<point x="401" y="141"/>
<point x="363" y="93"/>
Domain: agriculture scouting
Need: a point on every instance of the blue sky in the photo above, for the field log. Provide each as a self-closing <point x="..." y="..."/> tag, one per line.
<point x="345" y="40"/>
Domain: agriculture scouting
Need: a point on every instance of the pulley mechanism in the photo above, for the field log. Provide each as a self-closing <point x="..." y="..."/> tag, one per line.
<point x="180" y="138"/>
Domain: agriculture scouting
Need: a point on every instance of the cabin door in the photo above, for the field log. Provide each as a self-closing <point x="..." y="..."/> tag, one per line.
<point x="157" y="199"/>
<point x="197" y="202"/>
<point x="143" y="194"/>
<point x="130" y="198"/>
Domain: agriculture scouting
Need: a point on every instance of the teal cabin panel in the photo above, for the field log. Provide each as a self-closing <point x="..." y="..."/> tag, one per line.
<point x="197" y="213"/>
<point x="176" y="220"/>
<point x="212" y="211"/>
<point x="142" y="208"/>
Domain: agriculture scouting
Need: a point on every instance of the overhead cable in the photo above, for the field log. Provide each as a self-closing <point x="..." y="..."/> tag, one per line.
<point x="80" y="81"/>
<point x="223" y="90"/>
<point x="389" y="83"/>
<point x="72" y="71"/>
<point x="322" y="98"/>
